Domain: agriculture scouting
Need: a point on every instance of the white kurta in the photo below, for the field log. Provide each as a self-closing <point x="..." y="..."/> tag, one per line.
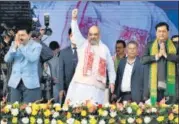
<point x="82" y="89"/>
<point x="81" y="92"/>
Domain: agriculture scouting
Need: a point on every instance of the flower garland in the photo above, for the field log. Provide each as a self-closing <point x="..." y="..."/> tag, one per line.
<point x="89" y="113"/>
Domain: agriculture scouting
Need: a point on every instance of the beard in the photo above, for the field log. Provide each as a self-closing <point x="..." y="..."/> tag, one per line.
<point x="94" y="42"/>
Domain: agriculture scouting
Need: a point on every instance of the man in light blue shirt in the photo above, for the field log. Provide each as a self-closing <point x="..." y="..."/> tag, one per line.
<point x="24" y="80"/>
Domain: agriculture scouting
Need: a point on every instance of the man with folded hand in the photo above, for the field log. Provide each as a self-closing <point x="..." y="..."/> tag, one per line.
<point x="24" y="80"/>
<point x="161" y="55"/>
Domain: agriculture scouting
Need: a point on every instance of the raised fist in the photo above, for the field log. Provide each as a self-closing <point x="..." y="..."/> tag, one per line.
<point x="74" y="14"/>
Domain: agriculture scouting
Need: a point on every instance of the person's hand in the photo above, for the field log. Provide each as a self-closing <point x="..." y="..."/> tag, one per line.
<point x="158" y="55"/>
<point x="45" y="65"/>
<point x="163" y="101"/>
<point x="162" y="46"/>
<point x="163" y="50"/>
<point x="7" y="39"/>
<point x="62" y="93"/>
<point x="55" y="80"/>
<point x="74" y="14"/>
<point x="111" y="87"/>
<point x="148" y="101"/>
<point x="164" y="54"/>
<point x="17" y="41"/>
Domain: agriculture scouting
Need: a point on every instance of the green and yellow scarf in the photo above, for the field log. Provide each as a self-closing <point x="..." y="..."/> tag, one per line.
<point x="170" y="80"/>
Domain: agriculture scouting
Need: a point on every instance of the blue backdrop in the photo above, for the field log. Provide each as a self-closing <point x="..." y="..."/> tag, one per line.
<point x="116" y="20"/>
<point x="171" y="9"/>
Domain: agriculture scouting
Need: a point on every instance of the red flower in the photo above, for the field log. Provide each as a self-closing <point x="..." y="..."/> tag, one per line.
<point x="100" y="106"/>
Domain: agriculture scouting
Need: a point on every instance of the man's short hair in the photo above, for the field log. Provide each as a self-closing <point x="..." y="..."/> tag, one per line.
<point x="132" y="42"/>
<point x="69" y="31"/>
<point x="26" y="28"/>
<point x="174" y="36"/>
<point x="54" y="45"/>
<point x="122" y="42"/>
<point x="162" y="24"/>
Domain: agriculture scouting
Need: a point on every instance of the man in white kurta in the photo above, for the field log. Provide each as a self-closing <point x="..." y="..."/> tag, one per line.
<point x="94" y="62"/>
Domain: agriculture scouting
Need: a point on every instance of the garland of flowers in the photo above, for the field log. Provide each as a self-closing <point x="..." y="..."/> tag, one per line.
<point x="88" y="113"/>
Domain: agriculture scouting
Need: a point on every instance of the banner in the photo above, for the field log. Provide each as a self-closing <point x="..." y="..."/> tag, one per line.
<point x="116" y="20"/>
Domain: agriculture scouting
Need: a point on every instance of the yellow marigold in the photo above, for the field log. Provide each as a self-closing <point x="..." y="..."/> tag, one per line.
<point x="134" y="104"/>
<point x="60" y="122"/>
<point x="111" y="121"/>
<point x="47" y="113"/>
<point x="163" y="105"/>
<point x="65" y="107"/>
<point x="35" y="106"/>
<point x="14" y="120"/>
<point x="175" y="105"/>
<point x="68" y="115"/>
<point x="15" y="105"/>
<point x="176" y="120"/>
<point x="32" y="120"/>
<point x="171" y="116"/>
<point x="160" y="118"/>
<point x="139" y="121"/>
<point x="89" y="105"/>
<point x="83" y="113"/>
<point x="34" y="112"/>
<point x="113" y="107"/>
<point x="93" y="121"/>
<point x="6" y="109"/>
<point x="176" y="109"/>
<point x="47" y="121"/>
<point x="100" y="112"/>
<point x="77" y="122"/>
<point x="43" y="106"/>
<point x="57" y="108"/>
<point x="123" y="121"/>
<point x="139" y="112"/>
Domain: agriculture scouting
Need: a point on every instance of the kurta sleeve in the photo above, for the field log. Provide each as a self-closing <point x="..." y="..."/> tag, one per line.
<point x="76" y="34"/>
<point x="10" y="54"/>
